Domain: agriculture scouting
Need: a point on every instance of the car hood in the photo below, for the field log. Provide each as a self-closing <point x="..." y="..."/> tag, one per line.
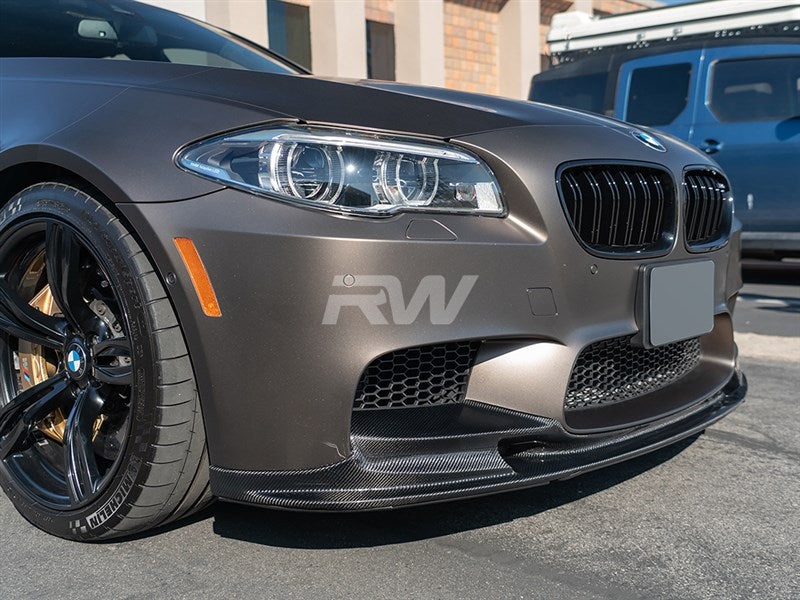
<point x="375" y="104"/>
<point x="120" y="123"/>
<point x="388" y="106"/>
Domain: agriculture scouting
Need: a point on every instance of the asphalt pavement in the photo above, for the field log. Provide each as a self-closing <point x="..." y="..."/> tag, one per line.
<point x="717" y="516"/>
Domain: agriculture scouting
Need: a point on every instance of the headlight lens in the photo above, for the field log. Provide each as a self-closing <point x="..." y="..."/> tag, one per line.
<point x="347" y="171"/>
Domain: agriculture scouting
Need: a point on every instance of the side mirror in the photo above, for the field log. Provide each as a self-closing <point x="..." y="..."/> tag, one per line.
<point x="96" y="29"/>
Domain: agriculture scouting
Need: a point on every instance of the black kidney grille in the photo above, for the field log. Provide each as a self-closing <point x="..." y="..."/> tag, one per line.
<point x="614" y="370"/>
<point x="706" y="207"/>
<point x="419" y="376"/>
<point x="619" y="208"/>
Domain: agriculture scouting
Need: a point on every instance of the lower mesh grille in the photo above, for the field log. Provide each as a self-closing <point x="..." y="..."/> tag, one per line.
<point x="614" y="370"/>
<point x="420" y="376"/>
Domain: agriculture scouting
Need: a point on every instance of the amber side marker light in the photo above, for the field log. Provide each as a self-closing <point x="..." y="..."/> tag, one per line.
<point x="197" y="271"/>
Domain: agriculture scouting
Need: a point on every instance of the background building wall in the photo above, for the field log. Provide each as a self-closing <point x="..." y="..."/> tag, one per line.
<point x="419" y="39"/>
<point x="470" y="44"/>
<point x="613" y="7"/>
<point x="338" y="38"/>
<point x="519" y="51"/>
<point x="191" y="8"/>
<point x="381" y="11"/>
<point x="486" y="46"/>
<point x="248" y="18"/>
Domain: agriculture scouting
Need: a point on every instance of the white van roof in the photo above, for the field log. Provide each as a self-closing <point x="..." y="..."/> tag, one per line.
<point x="576" y="30"/>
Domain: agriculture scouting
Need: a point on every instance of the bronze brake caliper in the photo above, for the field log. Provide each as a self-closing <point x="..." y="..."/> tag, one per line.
<point x="34" y="368"/>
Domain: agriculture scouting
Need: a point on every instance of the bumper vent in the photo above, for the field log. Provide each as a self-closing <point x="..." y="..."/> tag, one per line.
<point x="619" y="208"/>
<point x="420" y="376"/>
<point x="707" y="208"/>
<point x="613" y="371"/>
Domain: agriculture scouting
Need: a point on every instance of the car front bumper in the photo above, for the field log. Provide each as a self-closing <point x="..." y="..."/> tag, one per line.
<point x="440" y="453"/>
<point x="277" y="382"/>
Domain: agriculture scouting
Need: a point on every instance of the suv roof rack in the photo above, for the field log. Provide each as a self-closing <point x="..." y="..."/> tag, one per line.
<point x="580" y="33"/>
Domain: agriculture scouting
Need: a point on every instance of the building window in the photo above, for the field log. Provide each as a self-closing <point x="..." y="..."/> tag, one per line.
<point x="380" y="51"/>
<point x="658" y="94"/>
<point x="290" y="31"/>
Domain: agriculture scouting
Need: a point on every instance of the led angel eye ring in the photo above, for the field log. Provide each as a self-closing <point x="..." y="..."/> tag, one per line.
<point x="320" y="182"/>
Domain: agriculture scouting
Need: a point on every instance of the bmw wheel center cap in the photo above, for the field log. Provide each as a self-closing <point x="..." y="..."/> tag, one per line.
<point x="76" y="361"/>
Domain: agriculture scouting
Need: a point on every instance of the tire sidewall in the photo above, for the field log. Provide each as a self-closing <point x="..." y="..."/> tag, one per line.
<point x="95" y="223"/>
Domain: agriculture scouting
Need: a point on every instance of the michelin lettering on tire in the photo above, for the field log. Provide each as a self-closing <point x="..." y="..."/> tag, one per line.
<point x="99" y="517"/>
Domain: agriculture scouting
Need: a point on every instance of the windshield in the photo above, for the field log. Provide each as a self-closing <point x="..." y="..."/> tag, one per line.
<point x="124" y="30"/>
<point x="584" y="92"/>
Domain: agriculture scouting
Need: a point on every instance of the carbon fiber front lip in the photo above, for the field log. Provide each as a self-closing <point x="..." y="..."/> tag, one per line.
<point x="481" y="450"/>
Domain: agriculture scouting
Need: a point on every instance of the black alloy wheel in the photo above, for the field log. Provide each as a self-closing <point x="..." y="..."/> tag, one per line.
<point x="100" y="426"/>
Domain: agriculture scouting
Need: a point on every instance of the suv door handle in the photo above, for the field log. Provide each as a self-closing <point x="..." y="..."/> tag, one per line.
<point x="711" y="146"/>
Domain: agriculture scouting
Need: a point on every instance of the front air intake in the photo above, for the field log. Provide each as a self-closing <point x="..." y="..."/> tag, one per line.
<point x="419" y="376"/>
<point x="619" y="208"/>
<point x="708" y="208"/>
<point x="615" y="370"/>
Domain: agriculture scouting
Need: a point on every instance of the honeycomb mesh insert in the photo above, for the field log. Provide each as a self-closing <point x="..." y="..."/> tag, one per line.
<point x="420" y="376"/>
<point x="614" y="370"/>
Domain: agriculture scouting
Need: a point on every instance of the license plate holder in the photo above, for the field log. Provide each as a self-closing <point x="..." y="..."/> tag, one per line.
<point x="679" y="301"/>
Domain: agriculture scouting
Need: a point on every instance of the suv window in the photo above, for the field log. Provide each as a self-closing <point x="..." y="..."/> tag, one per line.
<point x="657" y="95"/>
<point x="757" y="89"/>
<point x="584" y="92"/>
<point x="121" y="29"/>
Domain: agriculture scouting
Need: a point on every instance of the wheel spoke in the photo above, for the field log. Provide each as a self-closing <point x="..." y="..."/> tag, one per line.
<point x="21" y="320"/>
<point x="62" y="440"/>
<point x="115" y="374"/>
<point x="62" y="255"/>
<point x="18" y="416"/>
<point x="81" y="466"/>
<point x="117" y="349"/>
<point x="112" y="347"/>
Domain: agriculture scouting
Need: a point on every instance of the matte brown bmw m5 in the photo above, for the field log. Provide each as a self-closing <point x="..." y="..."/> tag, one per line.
<point x="223" y="277"/>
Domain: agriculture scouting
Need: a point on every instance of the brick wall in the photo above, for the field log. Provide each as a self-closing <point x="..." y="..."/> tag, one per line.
<point x="470" y="44"/>
<point x="551" y="7"/>
<point x="381" y="11"/>
<point x="471" y="30"/>
<point x="613" y="7"/>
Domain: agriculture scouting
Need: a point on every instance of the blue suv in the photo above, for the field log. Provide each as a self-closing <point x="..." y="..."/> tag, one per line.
<point x="736" y="99"/>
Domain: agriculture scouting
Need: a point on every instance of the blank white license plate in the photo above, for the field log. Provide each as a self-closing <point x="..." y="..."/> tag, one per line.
<point x="681" y="301"/>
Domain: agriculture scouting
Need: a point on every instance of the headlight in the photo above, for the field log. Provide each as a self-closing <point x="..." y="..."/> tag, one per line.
<point x="347" y="171"/>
